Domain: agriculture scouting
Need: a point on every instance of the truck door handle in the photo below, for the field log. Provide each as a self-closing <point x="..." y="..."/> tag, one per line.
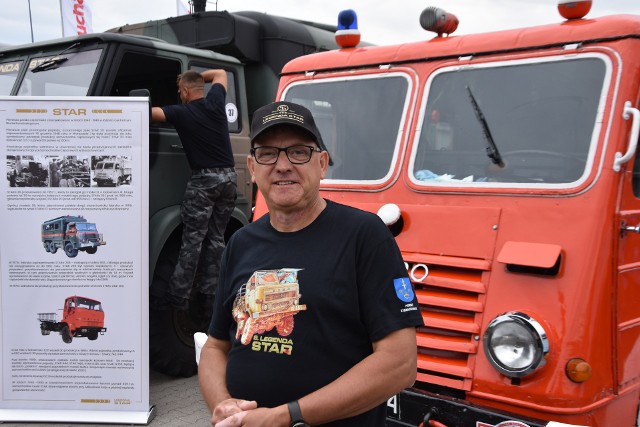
<point x="621" y="159"/>
<point x="631" y="228"/>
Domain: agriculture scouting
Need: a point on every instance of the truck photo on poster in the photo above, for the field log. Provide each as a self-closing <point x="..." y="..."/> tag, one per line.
<point x="74" y="302"/>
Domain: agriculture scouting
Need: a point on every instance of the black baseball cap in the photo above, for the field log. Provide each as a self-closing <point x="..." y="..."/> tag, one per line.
<point x="284" y="113"/>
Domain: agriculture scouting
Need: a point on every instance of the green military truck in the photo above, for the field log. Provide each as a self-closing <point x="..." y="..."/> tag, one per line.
<point x="252" y="47"/>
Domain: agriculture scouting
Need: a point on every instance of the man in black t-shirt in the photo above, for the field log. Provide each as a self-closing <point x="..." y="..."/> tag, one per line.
<point x="315" y="316"/>
<point x="209" y="199"/>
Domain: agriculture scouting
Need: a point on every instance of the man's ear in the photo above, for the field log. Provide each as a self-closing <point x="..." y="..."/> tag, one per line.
<point x="324" y="163"/>
<point x="251" y="165"/>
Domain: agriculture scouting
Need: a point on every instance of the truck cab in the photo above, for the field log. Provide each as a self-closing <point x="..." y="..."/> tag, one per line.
<point x="252" y="47"/>
<point x="506" y="166"/>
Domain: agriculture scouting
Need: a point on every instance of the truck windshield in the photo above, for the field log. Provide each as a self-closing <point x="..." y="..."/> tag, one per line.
<point x="360" y="120"/>
<point x="86" y="226"/>
<point x="8" y="73"/>
<point x="69" y="78"/>
<point x="519" y="124"/>
<point x="103" y="165"/>
<point x="88" y="304"/>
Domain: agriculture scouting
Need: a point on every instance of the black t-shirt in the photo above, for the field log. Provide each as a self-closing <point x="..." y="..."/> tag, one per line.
<point x="353" y="290"/>
<point x="203" y="129"/>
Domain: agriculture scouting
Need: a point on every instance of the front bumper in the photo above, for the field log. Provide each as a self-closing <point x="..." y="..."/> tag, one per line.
<point x="410" y="407"/>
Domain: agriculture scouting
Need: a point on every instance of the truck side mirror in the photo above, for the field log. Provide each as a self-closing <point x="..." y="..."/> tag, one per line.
<point x="142" y="93"/>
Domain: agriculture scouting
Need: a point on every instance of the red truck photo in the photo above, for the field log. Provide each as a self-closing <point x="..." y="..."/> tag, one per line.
<point x="81" y="317"/>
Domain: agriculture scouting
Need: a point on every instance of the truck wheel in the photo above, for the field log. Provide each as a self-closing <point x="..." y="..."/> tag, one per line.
<point x="44" y="331"/>
<point x="92" y="250"/>
<point x="53" y="248"/>
<point x="171" y="345"/>
<point x="93" y="335"/>
<point x="70" y="250"/>
<point x="46" y="246"/>
<point x="66" y="335"/>
<point x="285" y="327"/>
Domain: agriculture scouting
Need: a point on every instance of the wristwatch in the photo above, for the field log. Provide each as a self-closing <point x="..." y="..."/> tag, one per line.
<point x="296" y="415"/>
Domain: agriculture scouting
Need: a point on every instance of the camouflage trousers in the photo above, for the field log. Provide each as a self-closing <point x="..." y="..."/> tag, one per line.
<point x="207" y="206"/>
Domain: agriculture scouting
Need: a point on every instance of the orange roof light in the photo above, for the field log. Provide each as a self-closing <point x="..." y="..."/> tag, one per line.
<point x="438" y="20"/>
<point x="574" y="9"/>
<point x="348" y="34"/>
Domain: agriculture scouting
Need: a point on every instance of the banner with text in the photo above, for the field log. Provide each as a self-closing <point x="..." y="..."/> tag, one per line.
<point x="76" y="17"/>
<point x="74" y="260"/>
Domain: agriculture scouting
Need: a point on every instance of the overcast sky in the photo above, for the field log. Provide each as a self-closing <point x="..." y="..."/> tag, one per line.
<point x="380" y="22"/>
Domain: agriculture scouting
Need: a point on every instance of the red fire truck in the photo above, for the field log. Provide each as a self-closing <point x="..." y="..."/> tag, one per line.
<point x="506" y="166"/>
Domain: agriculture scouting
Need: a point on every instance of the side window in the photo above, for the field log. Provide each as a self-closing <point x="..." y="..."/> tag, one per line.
<point x="157" y="74"/>
<point x="231" y="103"/>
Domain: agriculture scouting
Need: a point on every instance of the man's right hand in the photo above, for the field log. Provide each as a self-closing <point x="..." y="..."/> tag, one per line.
<point x="228" y="407"/>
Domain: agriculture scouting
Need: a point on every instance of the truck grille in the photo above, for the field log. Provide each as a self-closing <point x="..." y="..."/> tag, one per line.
<point x="451" y="298"/>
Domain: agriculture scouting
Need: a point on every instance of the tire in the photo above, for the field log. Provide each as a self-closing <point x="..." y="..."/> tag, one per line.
<point x="44" y="331"/>
<point x="46" y="246"/>
<point x="92" y="250"/>
<point x="92" y="335"/>
<point x="171" y="345"/>
<point x="53" y="248"/>
<point x="66" y="334"/>
<point x="70" y="250"/>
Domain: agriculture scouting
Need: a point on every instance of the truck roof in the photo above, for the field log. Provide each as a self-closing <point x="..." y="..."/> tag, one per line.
<point x="130" y="39"/>
<point x="582" y="31"/>
<point x="67" y="218"/>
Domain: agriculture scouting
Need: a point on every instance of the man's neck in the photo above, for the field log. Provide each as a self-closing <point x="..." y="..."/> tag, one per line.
<point x="290" y="221"/>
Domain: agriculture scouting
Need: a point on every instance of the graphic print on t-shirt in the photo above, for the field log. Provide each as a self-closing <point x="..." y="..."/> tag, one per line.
<point x="269" y="299"/>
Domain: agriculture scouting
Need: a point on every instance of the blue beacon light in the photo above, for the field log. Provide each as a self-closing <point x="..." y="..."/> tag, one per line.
<point x="347" y="34"/>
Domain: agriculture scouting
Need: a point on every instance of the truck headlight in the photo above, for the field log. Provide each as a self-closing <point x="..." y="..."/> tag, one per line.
<point x="515" y="344"/>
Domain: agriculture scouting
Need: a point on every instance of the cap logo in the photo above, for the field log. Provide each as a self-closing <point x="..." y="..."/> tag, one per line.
<point x="283" y="112"/>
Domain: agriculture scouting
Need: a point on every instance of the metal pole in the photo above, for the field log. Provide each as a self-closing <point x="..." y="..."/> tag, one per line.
<point x="30" y="21"/>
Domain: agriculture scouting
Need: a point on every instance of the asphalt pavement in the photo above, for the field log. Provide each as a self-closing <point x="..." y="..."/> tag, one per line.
<point x="177" y="402"/>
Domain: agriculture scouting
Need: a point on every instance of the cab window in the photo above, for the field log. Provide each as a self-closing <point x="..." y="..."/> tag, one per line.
<point x="518" y="124"/>
<point x="8" y="74"/>
<point x="231" y="100"/>
<point x="360" y="121"/>
<point x="68" y="75"/>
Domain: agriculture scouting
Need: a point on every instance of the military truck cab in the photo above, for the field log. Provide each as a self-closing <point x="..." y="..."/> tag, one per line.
<point x="251" y="47"/>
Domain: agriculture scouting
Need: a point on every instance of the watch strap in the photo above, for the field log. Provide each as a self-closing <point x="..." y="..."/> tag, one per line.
<point x="295" y="413"/>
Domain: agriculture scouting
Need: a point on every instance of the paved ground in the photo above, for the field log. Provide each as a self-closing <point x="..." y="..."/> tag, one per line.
<point x="177" y="400"/>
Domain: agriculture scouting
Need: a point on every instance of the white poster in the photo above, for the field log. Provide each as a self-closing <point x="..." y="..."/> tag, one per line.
<point x="76" y="17"/>
<point x="74" y="260"/>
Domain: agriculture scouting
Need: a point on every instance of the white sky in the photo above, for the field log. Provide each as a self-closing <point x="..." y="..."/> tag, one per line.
<point x="380" y="22"/>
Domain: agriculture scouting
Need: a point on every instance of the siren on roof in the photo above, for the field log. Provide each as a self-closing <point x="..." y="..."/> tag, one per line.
<point x="348" y="34"/>
<point x="574" y="9"/>
<point x="438" y="20"/>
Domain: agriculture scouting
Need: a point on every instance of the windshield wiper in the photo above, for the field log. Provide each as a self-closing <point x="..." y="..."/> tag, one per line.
<point x="492" y="149"/>
<point x="53" y="62"/>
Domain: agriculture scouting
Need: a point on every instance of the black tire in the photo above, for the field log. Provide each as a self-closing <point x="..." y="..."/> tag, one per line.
<point x="44" y="331"/>
<point x="92" y="250"/>
<point x="171" y="346"/>
<point x="70" y="250"/>
<point x="53" y="248"/>
<point x="46" y="246"/>
<point x="92" y="335"/>
<point x="66" y="334"/>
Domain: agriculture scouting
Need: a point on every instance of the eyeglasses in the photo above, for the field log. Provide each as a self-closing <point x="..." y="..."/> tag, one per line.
<point x="297" y="154"/>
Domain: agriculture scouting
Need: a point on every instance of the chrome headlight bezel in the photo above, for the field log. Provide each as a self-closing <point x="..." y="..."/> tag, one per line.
<point x="536" y="342"/>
